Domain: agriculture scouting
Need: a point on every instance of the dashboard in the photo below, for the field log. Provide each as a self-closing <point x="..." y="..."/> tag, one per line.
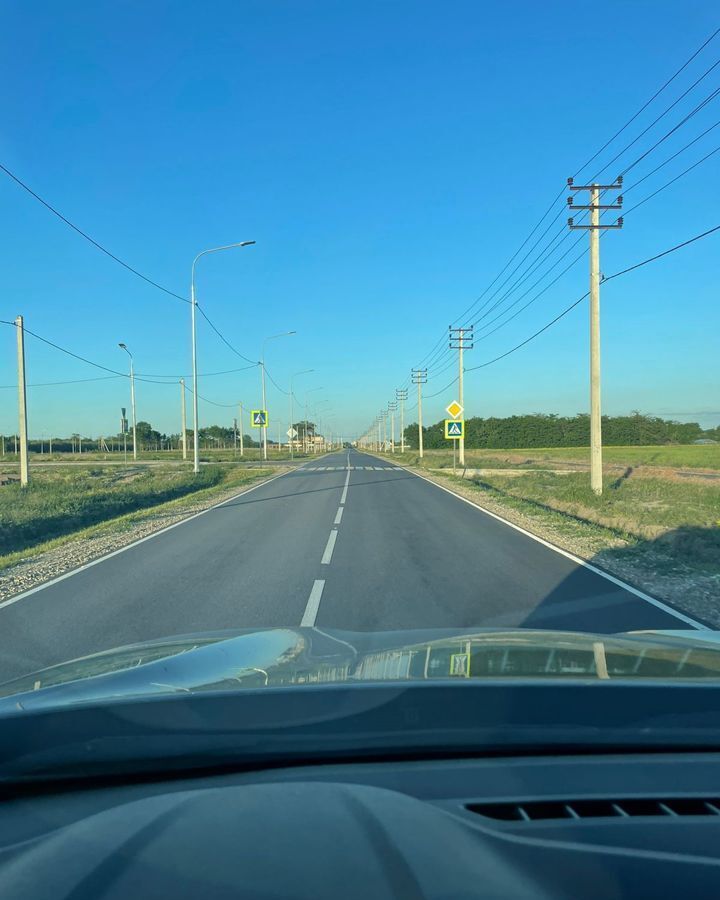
<point x="561" y="826"/>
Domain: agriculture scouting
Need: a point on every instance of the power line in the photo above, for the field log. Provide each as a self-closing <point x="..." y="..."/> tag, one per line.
<point x="75" y="381"/>
<point x="148" y="379"/>
<point x="648" y="102"/>
<point x="672" y="180"/>
<point x="222" y="337"/>
<point x="287" y="393"/>
<point x="114" y="257"/>
<point x="703" y="103"/>
<point x="657" y="93"/>
<point x="572" y="306"/>
<point x="87" y="237"/>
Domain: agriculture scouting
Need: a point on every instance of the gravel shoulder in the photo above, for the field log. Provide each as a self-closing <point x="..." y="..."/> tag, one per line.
<point x="57" y="557"/>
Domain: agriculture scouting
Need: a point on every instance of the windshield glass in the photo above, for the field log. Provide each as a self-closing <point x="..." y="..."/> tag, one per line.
<point x="349" y="345"/>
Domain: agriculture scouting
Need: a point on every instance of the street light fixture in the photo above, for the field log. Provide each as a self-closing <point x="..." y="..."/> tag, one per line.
<point x="132" y="397"/>
<point x="193" y="305"/>
<point x="291" y="437"/>
<point x="262" y="365"/>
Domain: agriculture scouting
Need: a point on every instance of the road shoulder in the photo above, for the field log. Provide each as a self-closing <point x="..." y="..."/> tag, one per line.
<point x="62" y="556"/>
<point x="654" y="568"/>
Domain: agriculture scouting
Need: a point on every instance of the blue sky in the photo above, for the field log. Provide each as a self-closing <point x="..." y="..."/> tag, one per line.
<point x="388" y="158"/>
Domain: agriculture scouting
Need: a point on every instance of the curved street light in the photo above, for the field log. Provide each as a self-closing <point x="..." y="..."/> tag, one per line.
<point x="132" y="398"/>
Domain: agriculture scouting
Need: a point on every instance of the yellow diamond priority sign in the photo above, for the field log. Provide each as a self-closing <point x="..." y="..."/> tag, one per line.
<point x="454" y="409"/>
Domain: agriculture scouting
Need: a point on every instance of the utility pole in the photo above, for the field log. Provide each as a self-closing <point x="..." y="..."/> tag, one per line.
<point x="391" y="409"/>
<point x="401" y="396"/>
<point x="183" y="418"/>
<point x="594" y="228"/>
<point x="234" y="436"/>
<point x="22" y="402"/>
<point x="419" y="377"/>
<point x="461" y="339"/>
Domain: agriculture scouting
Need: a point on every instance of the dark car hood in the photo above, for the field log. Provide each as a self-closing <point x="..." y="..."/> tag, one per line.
<point x="281" y="657"/>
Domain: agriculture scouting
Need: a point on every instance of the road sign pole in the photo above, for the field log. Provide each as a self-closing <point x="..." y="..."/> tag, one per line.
<point x="264" y="431"/>
<point x="240" y="420"/>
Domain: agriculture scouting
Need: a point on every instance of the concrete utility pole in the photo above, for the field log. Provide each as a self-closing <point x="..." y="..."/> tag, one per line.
<point x="401" y="396"/>
<point x="461" y="339"/>
<point x="594" y="228"/>
<point x="419" y="377"/>
<point x="22" y="403"/>
<point x="183" y="418"/>
<point x="391" y="409"/>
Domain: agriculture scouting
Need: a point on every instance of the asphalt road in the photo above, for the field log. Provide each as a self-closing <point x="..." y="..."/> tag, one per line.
<point x="348" y="541"/>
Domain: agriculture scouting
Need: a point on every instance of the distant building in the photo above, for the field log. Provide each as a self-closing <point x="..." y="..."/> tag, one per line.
<point x="705" y="441"/>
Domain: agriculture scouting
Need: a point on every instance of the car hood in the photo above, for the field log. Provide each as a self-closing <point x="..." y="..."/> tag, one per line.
<point x="282" y="657"/>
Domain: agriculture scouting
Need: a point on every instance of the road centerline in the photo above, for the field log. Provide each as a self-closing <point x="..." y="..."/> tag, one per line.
<point x="329" y="547"/>
<point x="338" y="515"/>
<point x="313" y="604"/>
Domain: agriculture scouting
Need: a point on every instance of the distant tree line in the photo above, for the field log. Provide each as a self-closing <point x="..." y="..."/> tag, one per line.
<point x="549" y="430"/>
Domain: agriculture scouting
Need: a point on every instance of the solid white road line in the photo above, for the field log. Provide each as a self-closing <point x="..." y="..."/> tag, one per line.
<point x="149" y="537"/>
<point x="329" y="547"/>
<point x="576" y="559"/>
<point x="313" y="605"/>
<point x="338" y="515"/>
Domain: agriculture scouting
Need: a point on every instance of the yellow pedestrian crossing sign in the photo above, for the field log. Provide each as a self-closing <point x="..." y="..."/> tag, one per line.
<point x="454" y="429"/>
<point x="259" y="418"/>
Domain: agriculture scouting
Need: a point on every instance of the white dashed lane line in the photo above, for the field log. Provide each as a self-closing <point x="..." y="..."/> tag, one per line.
<point x="338" y="515"/>
<point x="313" y="604"/>
<point x="329" y="547"/>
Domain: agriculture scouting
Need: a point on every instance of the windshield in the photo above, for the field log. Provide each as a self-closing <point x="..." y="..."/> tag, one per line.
<point x="352" y="345"/>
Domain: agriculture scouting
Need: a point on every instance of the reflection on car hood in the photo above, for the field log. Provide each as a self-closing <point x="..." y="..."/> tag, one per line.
<point x="280" y="657"/>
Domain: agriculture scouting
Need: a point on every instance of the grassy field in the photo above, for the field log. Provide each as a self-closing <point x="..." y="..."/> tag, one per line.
<point x="683" y="456"/>
<point x="65" y="500"/>
<point x="251" y="454"/>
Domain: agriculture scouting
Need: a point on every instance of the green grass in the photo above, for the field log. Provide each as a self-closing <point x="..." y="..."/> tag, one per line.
<point x="689" y="456"/>
<point x="66" y="500"/>
<point x="251" y="454"/>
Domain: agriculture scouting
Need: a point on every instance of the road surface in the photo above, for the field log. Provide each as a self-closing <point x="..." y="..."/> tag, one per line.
<point x="348" y="541"/>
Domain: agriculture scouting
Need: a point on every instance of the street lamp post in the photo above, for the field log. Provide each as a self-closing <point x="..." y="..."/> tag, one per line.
<point x="306" y="443"/>
<point x="290" y="436"/>
<point x="193" y="305"/>
<point x="132" y="398"/>
<point x="262" y="367"/>
<point x="319" y="415"/>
